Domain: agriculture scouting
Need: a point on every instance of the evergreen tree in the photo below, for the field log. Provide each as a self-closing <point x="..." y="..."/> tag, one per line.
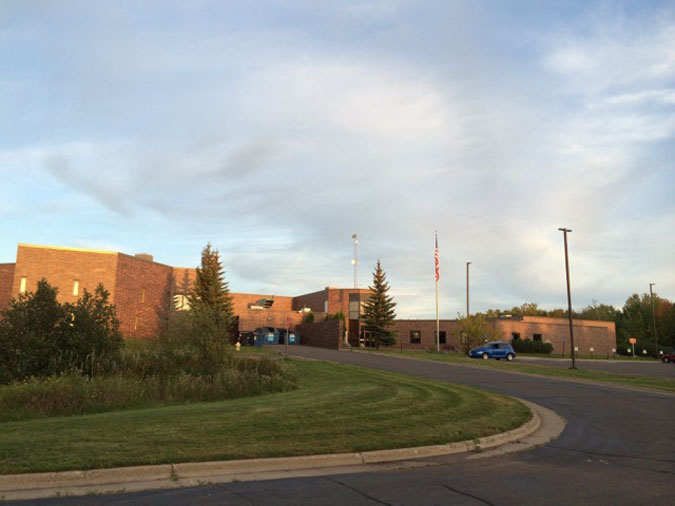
<point x="378" y="311"/>
<point x="210" y="290"/>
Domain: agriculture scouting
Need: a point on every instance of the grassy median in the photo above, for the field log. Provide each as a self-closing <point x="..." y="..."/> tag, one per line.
<point x="632" y="380"/>
<point x="336" y="408"/>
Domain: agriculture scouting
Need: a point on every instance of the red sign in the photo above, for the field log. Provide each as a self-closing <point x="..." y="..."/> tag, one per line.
<point x="632" y="340"/>
<point x="288" y="322"/>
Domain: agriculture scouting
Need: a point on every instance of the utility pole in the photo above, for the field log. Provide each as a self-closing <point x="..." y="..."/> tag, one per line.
<point x="467" y="288"/>
<point x="569" y="296"/>
<point x="656" y="341"/>
<point x="355" y="260"/>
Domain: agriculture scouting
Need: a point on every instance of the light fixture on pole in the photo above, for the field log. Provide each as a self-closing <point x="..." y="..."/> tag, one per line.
<point x="569" y="296"/>
<point x="467" y="288"/>
<point x="355" y="260"/>
<point x="656" y="341"/>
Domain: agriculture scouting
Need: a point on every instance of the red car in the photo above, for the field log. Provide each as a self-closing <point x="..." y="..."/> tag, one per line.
<point x="668" y="357"/>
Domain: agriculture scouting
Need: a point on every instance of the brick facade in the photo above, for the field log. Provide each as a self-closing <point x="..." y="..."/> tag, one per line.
<point x="325" y="334"/>
<point x="144" y="292"/>
<point x="599" y="335"/>
<point x="6" y="283"/>
<point x="142" y="296"/>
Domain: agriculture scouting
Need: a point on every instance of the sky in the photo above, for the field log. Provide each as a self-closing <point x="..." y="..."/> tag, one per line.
<point x="277" y="129"/>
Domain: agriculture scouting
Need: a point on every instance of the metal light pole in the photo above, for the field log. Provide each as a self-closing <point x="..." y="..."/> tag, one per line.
<point x="656" y="341"/>
<point x="355" y="260"/>
<point x="467" y="288"/>
<point x="569" y="296"/>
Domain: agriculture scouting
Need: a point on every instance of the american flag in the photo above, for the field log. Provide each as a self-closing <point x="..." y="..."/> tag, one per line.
<point x="436" y="263"/>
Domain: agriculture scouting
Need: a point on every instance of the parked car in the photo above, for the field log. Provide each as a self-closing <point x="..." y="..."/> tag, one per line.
<point x="266" y="335"/>
<point x="496" y="349"/>
<point x="293" y="338"/>
<point x="668" y="357"/>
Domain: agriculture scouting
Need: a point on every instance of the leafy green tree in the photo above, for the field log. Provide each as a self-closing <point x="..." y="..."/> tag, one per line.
<point x="597" y="311"/>
<point x="378" y="311"/>
<point x="474" y="330"/>
<point x="39" y="336"/>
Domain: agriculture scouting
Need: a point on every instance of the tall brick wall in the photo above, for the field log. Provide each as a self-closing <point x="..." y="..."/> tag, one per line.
<point x="142" y="295"/>
<point x="314" y="301"/>
<point x="6" y="281"/>
<point x="61" y="267"/>
<point x="599" y="335"/>
<point x="427" y="329"/>
<point x="325" y="334"/>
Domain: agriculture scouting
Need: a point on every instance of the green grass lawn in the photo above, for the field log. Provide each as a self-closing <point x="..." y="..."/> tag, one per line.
<point x="336" y="408"/>
<point x="667" y="384"/>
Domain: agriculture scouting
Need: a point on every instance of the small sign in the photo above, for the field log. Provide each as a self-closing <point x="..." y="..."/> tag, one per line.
<point x="576" y="348"/>
<point x="628" y="350"/>
<point x="592" y="350"/>
<point x="632" y="340"/>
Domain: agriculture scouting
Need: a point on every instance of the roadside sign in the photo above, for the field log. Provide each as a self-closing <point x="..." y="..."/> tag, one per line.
<point x="632" y="340"/>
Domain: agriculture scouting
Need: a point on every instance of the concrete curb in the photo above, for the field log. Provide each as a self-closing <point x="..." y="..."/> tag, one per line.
<point x="128" y="479"/>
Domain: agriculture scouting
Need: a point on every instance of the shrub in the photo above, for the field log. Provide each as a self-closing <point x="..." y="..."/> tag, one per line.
<point x="528" y="346"/>
<point x="74" y="394"/>
<point x="40" y="337"/>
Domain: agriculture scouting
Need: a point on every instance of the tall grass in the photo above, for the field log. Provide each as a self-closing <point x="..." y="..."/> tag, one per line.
<point x="74" y="394"/>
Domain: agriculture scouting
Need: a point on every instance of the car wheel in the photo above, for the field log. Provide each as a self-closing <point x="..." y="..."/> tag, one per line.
<point x="510" y="357"/>
<point x="665" y="359"/>
<point x="485" y="356"/>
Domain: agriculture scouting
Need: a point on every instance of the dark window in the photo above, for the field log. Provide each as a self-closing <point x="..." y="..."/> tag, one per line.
<point x="415" y="337"/>
<point x="536" y="337"/>
<point x="515" y="335"/>
<point x="441" y="337"/>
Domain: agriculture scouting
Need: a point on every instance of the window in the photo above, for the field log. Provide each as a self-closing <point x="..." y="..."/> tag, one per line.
<point x="76" y="287"/>
<point x="22" y="289"/>
<point x="415" y="337"/>
<point x="441" y="337"/>
<point x="515" y="336"/>
<point x="536" y="337"/>
<point x="143" y="295"/>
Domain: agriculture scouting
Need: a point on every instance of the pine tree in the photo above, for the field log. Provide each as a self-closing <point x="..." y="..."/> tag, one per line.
<point x="210" y="291"/>
<point x="379" y="311"/>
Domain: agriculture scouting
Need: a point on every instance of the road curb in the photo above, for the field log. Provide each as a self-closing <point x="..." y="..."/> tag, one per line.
<point x="165" y="476"/>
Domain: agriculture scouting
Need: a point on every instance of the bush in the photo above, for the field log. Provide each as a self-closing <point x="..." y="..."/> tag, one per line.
<point x="74" y="394"/>
<point x="41" y="337"/>
<point x="528" y="346"/>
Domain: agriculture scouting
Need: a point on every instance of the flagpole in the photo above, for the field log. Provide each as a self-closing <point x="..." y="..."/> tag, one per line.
<point x="436" y="262"/>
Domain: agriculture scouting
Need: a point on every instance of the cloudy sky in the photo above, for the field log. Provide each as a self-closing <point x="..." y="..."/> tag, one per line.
<point x="277" y="129"/>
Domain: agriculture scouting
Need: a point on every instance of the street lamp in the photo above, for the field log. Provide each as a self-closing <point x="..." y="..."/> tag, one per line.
<point x="656" y="342"/>
<point x="569" y="295"/>
<point x="467" y="288"/>
<point x="355" y="260"/>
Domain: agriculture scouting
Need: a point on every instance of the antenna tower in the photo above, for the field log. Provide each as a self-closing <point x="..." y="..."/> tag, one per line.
<point x="355" y="260"/>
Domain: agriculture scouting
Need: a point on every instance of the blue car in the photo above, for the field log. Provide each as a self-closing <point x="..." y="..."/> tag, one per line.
<point x="496" y="349"/>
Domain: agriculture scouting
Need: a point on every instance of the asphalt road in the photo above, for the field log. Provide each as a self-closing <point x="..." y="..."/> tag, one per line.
<point x="618" y="449"/>
<point x="653" y="368"/>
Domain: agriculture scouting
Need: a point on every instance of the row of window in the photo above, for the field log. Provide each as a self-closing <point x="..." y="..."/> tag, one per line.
<point x="416" y="337"/>
<point x="535" y="337"/>
<point x="76" y="287"/>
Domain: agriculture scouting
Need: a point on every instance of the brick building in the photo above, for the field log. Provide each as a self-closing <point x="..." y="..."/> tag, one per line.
<point x="140" y="288"/>
<point x="144" y="293"/>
